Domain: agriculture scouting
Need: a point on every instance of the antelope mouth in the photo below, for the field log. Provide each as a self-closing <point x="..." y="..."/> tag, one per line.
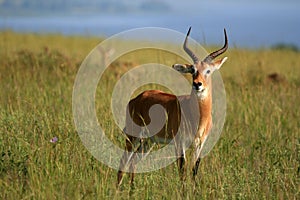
<point x="199" y="90"/>
<point x="201" y="93"/>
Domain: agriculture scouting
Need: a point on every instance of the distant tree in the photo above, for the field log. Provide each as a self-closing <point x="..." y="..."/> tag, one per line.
<point x="283" y="46"/>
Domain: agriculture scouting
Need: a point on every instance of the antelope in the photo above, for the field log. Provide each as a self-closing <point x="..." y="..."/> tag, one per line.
<point x="198" y="112"/>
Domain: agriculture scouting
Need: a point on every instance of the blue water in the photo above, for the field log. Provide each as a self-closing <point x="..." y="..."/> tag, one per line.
<point x="245" y="27"/>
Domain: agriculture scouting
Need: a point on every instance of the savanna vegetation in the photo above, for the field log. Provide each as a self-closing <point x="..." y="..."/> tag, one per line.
<point x="257" y="156"/>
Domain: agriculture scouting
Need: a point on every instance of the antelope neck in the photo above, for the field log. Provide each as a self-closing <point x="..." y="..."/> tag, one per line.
<point x="204" y="106"/>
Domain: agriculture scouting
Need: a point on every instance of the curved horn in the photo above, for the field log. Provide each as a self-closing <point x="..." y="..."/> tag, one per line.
<point x="214" y="54"/>
<point x="187" y="50"/>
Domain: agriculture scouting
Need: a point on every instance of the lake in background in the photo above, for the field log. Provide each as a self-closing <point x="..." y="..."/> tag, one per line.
<point x="255" y="26"/>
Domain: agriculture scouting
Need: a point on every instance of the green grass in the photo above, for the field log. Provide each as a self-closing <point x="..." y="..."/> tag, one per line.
<point x="257" y="156"/>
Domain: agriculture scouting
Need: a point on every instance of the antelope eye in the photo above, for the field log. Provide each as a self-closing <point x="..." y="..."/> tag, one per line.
<point x="208" y="71"/>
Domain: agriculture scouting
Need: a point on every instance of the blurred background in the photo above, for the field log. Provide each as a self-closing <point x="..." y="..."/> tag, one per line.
<point x="250" y="24"/>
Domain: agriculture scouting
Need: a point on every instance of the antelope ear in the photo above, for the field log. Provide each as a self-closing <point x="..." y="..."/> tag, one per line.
<point x="217" y="64"/>
<point x="187" y="68"/>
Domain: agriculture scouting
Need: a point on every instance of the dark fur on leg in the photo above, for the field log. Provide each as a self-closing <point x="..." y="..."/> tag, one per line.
<point x="181" y="166"/>
<point x="195" y="168"/>
<point x="120" y="177"/>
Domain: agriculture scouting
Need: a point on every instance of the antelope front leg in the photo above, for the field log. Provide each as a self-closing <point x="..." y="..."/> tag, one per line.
<point x="196" y="156"/>
<point x="198" y="148"/>
<point x="198" y="159"/>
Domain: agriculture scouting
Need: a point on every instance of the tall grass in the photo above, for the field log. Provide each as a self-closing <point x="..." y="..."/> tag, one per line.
<point x="257" y="156"/>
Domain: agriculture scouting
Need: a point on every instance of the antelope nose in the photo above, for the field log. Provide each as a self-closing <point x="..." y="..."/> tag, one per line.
<point x="197" y="85"/>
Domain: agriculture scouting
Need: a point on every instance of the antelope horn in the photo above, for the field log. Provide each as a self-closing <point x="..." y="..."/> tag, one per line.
<point x="214" y="54"/>
<point x="187" y="50"/>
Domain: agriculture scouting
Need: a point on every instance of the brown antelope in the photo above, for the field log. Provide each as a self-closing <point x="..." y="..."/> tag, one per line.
<point x="197" y="112"/>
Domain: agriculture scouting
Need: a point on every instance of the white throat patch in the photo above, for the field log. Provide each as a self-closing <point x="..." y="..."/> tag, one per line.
<point x="202" y="94"/>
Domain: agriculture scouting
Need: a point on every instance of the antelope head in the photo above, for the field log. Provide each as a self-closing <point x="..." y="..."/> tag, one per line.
<point x="202" y="70"/>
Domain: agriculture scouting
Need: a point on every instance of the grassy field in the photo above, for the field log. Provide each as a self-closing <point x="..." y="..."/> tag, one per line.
<point x="257" y="156"/>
